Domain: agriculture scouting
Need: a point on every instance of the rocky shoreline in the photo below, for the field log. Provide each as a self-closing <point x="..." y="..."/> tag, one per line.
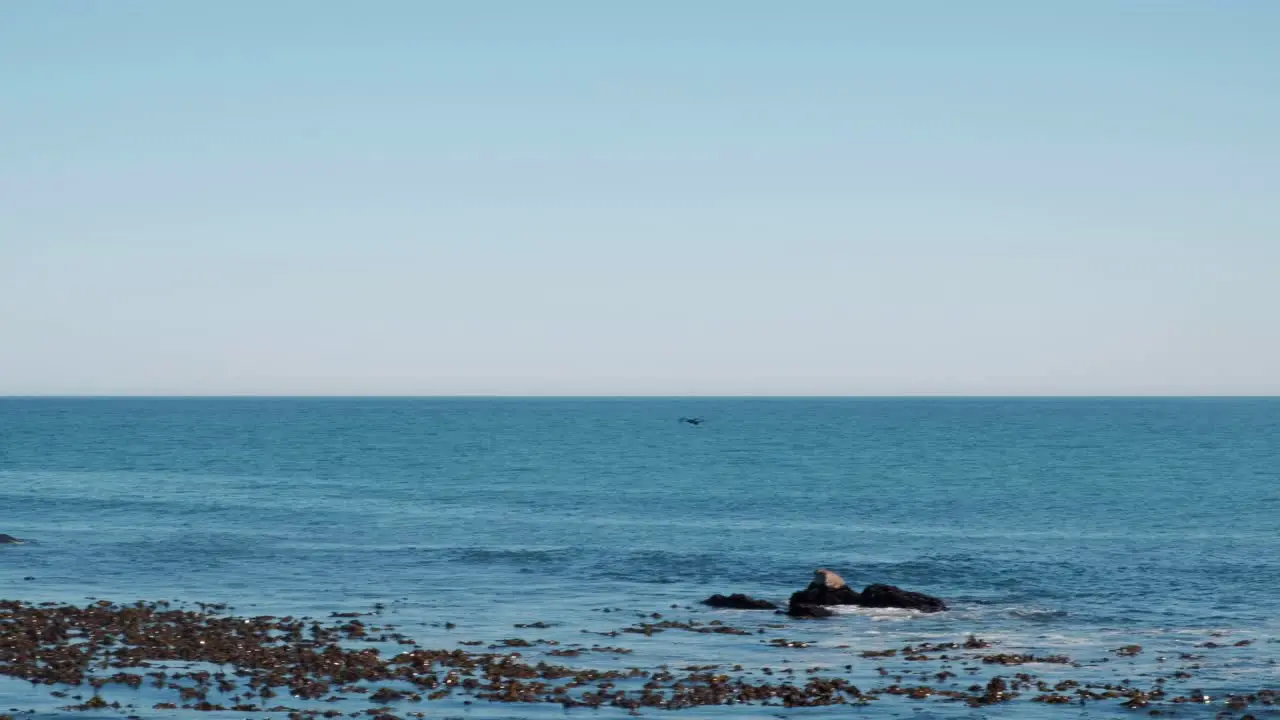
<point x="91" y="656"/>
<point x="828" y="589"/>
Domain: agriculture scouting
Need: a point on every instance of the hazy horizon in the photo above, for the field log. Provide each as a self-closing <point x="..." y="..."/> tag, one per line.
<point x="827" y="199"/>
<point x="921" y="396"/>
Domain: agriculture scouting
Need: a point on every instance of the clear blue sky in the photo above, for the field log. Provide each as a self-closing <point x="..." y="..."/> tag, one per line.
<point x="660" y="197"/>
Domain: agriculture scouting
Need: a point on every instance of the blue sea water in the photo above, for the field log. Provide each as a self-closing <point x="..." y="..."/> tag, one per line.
<point x="1049" y="525"/>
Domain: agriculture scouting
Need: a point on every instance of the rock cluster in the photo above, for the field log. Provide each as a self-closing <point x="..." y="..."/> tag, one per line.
<point x="828" y="588"/>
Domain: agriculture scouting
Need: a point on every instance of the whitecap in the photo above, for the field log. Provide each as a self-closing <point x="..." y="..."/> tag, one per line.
<point x="878" y="614"/>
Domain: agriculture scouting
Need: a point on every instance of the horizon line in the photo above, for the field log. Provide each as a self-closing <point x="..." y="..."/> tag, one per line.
<point x="599" y="396"/>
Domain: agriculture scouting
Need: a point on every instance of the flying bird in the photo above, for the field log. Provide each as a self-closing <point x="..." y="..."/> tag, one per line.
<point x="691" y="420"/>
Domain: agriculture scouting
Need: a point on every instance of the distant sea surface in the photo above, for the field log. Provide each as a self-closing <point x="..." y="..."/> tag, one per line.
<point x="1049" y="525"/>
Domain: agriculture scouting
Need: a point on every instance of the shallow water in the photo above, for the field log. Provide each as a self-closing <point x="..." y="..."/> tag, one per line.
<point x="1071" y="526"/>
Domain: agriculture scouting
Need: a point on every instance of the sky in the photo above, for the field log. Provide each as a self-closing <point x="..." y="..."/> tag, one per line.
<point x="721" y="197"/>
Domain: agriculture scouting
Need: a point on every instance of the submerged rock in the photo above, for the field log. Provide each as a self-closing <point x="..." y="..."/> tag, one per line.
<point x="890" y="596"/>
<point x="738" y="601"/>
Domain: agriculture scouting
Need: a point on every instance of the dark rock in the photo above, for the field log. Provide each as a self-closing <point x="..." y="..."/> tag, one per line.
<point x="802" y="610"/>
<point x="10" y="540"/>
<point x="738" y="601"/>
<point x="889" y="596"/>
<point x="826" y="588"/>
<point x="822" y="595"/>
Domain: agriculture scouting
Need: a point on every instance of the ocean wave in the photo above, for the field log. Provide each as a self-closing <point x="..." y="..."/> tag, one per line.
<point x="1037" y="615"/>
<point x="880" y="614"/>
<point x="513" y="555"/>
<point x="665" y="567"/>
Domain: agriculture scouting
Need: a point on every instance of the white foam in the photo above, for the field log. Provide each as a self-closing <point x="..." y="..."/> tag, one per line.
<point x="878" y="614"/>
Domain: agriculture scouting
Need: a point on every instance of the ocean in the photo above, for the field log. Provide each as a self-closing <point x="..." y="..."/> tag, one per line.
<point x="1051" y="526"/>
